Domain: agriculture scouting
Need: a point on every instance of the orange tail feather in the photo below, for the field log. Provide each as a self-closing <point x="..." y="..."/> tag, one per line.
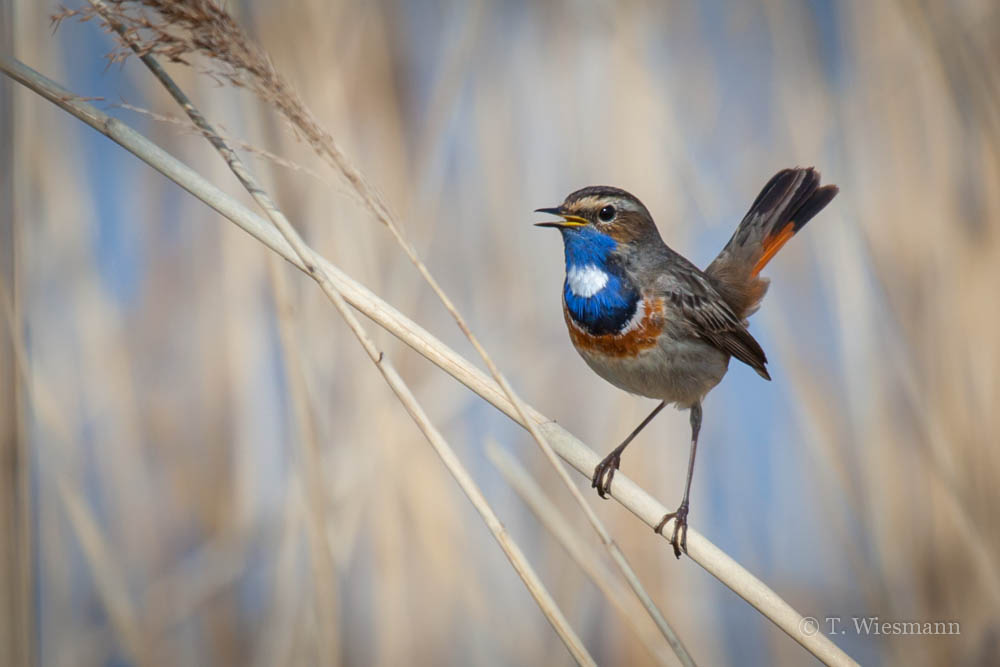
<point x="771" y="245"/>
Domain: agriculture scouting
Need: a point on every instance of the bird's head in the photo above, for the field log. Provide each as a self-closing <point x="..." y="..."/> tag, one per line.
<point x="602" y="211"/>
<point x="603" y="231"/>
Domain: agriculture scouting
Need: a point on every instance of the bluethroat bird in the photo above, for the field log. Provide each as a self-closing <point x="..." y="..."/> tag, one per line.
<point x="649" y="321"/>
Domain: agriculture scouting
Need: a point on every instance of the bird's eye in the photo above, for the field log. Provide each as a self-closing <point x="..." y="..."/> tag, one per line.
<point x="606" y="214"/>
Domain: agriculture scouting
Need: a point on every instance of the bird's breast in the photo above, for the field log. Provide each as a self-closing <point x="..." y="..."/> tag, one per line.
<point x="599" y="297"/>
<point x="639" y="333"/>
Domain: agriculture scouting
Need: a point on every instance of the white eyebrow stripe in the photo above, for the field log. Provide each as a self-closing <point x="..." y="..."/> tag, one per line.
<point x="626" y="204"/>
<point x="594" y="203"/>
<point x="586" y="281"/>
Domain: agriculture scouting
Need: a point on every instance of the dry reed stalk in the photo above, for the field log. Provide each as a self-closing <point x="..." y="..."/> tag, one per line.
<point x="634" y="498"/>
<point x="187" y="127"/>
<point x="310" y="260"/>
<point x="200" y="27"/>
<point x="559" y="526"/>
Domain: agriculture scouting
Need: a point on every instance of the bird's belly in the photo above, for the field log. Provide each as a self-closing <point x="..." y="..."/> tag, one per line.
<point x="650" y="359"/>
<point x="677" y="371"/>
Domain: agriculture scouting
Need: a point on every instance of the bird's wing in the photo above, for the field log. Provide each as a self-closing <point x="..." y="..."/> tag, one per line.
<point x="709" y="317"/>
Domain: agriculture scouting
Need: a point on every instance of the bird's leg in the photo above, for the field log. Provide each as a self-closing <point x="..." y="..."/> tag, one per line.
<point x="679" y="538"/>
<point x="605" y="470"/>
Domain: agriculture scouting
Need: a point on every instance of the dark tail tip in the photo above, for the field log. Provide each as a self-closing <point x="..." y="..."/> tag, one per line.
<point x="792" y="195"/>
<point x="774" y="190"/>
<point x="816" y="202"/>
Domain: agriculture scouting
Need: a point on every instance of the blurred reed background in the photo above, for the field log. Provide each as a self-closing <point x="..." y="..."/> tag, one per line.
<point x="167" y="354"/>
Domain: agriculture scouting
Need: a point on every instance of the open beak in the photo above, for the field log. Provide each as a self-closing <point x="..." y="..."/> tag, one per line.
<point x="567" y="220"/>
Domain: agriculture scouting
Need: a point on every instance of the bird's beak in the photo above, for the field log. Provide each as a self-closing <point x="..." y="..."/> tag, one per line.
<point x="567" y="220"/>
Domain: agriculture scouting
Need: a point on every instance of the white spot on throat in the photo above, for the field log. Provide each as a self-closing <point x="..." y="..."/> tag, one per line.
<point x="586" y="281"/>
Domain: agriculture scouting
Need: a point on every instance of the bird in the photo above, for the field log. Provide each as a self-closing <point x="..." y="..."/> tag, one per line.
<point x="650" y="322"/>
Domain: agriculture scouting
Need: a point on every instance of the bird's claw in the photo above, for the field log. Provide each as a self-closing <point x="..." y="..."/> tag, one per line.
<point x="679" y="537"/>
<point x="604" y="473"/>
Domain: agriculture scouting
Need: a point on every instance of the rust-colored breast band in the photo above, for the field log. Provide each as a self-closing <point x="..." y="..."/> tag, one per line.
<point x="628" y="344"/>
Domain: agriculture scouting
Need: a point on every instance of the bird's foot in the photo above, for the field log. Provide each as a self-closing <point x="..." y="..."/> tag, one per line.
<point x="679" y="538"/>
<point x="605" y="472"/>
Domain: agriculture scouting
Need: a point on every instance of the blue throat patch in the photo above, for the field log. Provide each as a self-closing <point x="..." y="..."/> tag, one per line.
<point x="609" y="309"/>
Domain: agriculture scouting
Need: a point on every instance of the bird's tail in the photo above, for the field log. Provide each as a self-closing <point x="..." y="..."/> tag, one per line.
<point x="789" y="200"/>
